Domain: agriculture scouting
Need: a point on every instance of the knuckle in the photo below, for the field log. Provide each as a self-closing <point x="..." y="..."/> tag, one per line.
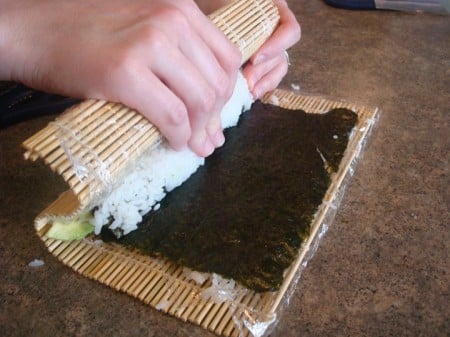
<point x="176" y="115"/>
<point x="153" y="39"/>
<point x="120" y="66"/>
<point x="236" y="57"/>
<point x="187" y="7"/>
<point x="233" y="58"/>
<point x="172" y="122"/>
<point x="202" y="104"/>
<point x="229" y="91"/>
<point x="179" y="139"/>
<point x="175" y="16"/>
<point x="207" y="101"/>
<point x="222" y="85"/>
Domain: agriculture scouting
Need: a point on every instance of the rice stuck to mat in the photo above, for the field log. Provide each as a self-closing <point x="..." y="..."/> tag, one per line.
<point x="159" y="172"/>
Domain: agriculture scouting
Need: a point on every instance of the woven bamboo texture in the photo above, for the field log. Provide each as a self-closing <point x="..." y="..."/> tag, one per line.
<point x="91" y="144"/>
<point x="165" y="285"/>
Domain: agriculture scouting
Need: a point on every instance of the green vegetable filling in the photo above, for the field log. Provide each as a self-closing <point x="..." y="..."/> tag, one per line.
<point x="75" y="229"/>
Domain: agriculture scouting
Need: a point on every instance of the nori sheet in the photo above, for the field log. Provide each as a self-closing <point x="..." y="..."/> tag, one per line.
<point x="245" y="213"/>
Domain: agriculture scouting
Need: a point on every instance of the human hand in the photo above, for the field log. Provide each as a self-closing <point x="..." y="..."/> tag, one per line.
<point x="209" y="6"/>
<point x="163" y="58"/>
<point x="267" y="67"/>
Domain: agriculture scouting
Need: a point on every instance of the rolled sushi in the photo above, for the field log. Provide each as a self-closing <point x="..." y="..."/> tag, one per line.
<point x="149" y="179"/>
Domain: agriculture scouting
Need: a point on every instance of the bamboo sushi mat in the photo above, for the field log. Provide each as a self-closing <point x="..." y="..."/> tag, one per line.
<point x="167" y="287"/>
<point x="96" y="140"/>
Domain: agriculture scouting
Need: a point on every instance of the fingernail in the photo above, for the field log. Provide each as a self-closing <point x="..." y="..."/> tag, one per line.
<point x="218" y="138"/>
<point x="208" y="147"/>
<point x="255" y="94"/>
<point x="260" y="90"/>
<point x="201" y="145"/>
<point x="250" y="84"/>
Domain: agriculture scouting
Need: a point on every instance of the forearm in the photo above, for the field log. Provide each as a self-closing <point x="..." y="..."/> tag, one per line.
<point x="29" y="32"/>
<point x="7" y="28"/>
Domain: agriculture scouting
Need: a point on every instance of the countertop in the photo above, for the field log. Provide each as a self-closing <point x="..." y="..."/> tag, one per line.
<point x="383" y="267"/>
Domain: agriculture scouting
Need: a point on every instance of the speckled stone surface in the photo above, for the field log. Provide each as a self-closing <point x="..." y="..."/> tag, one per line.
<point x="383" y="267"/>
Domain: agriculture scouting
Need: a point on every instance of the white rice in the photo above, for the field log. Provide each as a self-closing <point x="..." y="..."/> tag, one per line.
<point x="159" y="172"/>
<point x="221" y="290"/>
<point x="196" y="276"/>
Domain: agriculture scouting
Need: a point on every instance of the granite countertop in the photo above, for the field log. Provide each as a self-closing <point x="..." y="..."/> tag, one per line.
<point x="383" y="267"/>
